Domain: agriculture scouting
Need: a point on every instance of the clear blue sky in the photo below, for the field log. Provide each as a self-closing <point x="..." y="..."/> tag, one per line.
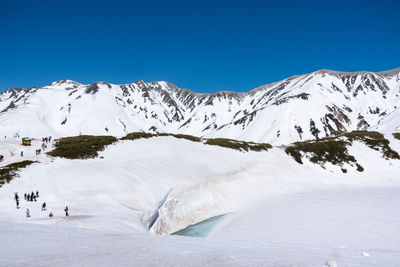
<point x="205" y="46"/>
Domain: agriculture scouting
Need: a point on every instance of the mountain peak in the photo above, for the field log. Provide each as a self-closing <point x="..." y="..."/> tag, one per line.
<point x="64" y="82"/>
<point x="304" y="107"/>
<point x="388" y="73"/>
<point x="342" y="73"/>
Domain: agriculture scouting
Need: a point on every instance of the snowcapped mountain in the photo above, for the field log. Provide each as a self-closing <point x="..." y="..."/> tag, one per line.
<point x="139" y="189"/>
<point x="302" y="107"/>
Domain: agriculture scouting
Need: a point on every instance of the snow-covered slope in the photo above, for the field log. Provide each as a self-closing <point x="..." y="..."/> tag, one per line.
<point x="298" y="108"/>
<point x="276" y="211"/>
<point x="164" y="184"/>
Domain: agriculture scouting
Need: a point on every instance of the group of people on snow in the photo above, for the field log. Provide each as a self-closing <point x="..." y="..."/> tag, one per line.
<point x="32" y="197"/>
<point x="46" y="139"/>
<point x="44" y="146"/>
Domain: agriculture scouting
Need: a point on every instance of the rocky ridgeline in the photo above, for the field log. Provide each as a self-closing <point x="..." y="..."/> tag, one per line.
<point x="311" y="106"/>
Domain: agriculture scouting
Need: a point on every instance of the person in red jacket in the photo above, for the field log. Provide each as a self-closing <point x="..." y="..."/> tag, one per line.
<point x="66" y="211"/>
<point x="28" y="214"/>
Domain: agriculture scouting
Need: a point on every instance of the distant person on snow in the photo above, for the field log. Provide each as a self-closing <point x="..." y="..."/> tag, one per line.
<point x="16" y="197"/>
<point x="28" y="213"/>
<point x="22" y="153"/>
<point x="37" y="193"/>
<point x="51" y="214"/>
<point x="66" y="211"/>
<point x="44" y="206"/>
<point x="25" y="196"/>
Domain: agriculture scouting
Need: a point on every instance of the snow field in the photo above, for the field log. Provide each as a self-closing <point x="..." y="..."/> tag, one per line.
<point x="279" y="213"/>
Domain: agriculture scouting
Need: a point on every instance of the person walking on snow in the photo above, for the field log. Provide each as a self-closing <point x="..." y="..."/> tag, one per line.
<point x="44" y="206"/>
<point x="66" y="211"/>
<point x="28" y="213"/>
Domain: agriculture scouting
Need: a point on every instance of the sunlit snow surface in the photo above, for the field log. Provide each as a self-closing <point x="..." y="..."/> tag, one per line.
<point x="331" y="101"/>
<point x="278" y="213"/>
<point x="34" y="245"/>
